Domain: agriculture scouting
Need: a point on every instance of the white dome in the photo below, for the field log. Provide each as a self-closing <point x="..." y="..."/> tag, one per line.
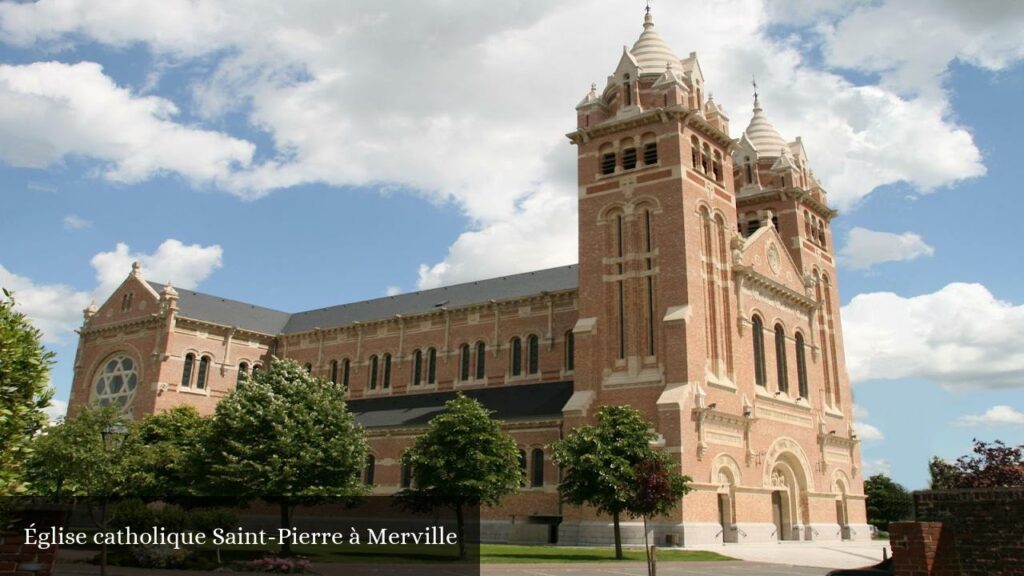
<point x="765" y="138"/>
<point x="650" y="51"/>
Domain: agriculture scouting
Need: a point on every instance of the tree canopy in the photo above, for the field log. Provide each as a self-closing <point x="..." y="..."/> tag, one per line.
<point x="887" y="501"/>
<point x="992" y="465"/>
<point x="24" y="392"/>
<point x="463" y="460"/>
<point x="171" y="454"/>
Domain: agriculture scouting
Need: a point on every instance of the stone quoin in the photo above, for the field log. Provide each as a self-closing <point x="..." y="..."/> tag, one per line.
<point x="705" y="296"/>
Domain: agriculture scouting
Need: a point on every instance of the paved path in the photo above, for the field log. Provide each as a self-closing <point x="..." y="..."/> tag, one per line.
<point x="819" y="554"/>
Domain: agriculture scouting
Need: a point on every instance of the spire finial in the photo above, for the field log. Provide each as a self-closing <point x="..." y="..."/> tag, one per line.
<point x="757" y="101"/>
<point x="648" y="19"/>
<point x="136" y="268"/>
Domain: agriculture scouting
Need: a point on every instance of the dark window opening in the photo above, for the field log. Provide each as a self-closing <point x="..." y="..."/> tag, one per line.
<point x="432" y="366"/>
<point x="334" y="371"/>
<point x="801" y="365"/>
<point x="464" y="363"/>
<point x="204" y="370"/>
<point x="522" y="466"/>
<point x="629" y="158"/>
<point x="534" y="349"/>
<point x="373" y="372"/>
<point x="608" y="163"/>
<point x="417" y="367"/>
<point x="570" y="351"/>
<point x="517" y="357"/>
<point x="481" y="360"/>
<point x="186" y="371"/>
<point x="371" y="463"/>
<point x="760" y="376"/>
<point x="243" y="371"/>
<point x="650" y="153"/>
<point x="537" y="478"/>
<point x="780" y="359"/>
<point x="387" y="371"/>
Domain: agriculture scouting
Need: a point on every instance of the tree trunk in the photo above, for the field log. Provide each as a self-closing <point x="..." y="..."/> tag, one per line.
<point x="618" y="537"/>
<point x="286" y="546"/>
<point x="647" y="550"/>
<point x="459" y="523"/>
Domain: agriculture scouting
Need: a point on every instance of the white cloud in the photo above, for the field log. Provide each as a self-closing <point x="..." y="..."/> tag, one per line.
<point x="73" y="222"/>
<point x="864" y="248"/>
<point x="56" y="410"/>
<point x="50" y="111"/>
<point x="865" y="431"/>
<point x="460" y="102"/>
<point x="56" y="309"/>
<point x="392" y="291"/>
<point x="1001" y="415"/>
<point x="876" y="466"/>
<point x="960" y="337"/>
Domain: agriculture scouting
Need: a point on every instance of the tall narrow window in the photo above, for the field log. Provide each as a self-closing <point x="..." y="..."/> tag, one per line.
<point x="204" y="371"/>
<point x="464" y="363"/>
<point x="537" y="478"/>
<point x="694" y="152"/>
<point x="417" y="367"/>
<point x="516" y="356"/>
<point x="371" y="463"/>
<point x="627" y="92"/>
<point x="481" y="360"/>
<point x="522" y="465"/>
<point x="619" y="249"/>
<point x="373" y="372"/>
<point x="650" y="153"/>
<point x="334" y="371"/>
<point x="649" y="266"/>
<point x="345" y="365"/>
<point x="387" y="372"/>
<point x="705" y="159"/>
<point x="629" y="159"/>
<point x="780" y="358"/>
<point x="801" y="365"/>
<point x="406" y="475"/>
<point x="570" y="351"/>
<point x="750" y="171"/>
<point x="757" y="333"/>
<point x="243" y="371"/>
<point x="432" y="366"/>
<point x="608" y="163"/>
<point x="186" y="371"/>
<point x="533" y="343"/>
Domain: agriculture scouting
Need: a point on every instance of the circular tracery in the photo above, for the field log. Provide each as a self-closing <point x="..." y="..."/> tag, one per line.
<point x="116" y="382"/>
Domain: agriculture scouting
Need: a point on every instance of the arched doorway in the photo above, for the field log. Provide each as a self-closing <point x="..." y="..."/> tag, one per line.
<point x="786" y="477"/>
<point x="726" y="473"/>
<point x="842" y="518"/>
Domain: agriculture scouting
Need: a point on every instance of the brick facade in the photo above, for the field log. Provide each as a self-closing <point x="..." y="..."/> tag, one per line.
<point x="688" y="240"/>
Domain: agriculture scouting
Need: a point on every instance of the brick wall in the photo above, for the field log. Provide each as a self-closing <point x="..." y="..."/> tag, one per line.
<point x="967" y="532"/>
<point x="20" y="559"/>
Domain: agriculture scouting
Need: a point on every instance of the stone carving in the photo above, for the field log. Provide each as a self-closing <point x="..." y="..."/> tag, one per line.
<point x="773" y="258"/>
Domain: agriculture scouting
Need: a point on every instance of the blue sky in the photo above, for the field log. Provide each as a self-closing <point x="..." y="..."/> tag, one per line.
<point x="333" y="153"/>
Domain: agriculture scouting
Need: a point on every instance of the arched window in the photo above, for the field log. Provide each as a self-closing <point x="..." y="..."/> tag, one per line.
<point x="780" y="358"/>
<point x="522" y="465"/>
<point x="371" y="463"/>
<point x="204" y="371"/>
<point x="406" y="475"/>
<point x="629" y="158"/>
<point x="705" y="158"/>
<point x="516" y="356"/>
<point x="432" y="366"/>
<point x="608" y="163"/>
<point x="716" y="166"/>
<point x="694" y="151"/>
<point x="750" y="170"/>
<point x="801" y="365"/>
<point x="650" y="153"/>
<point x="345" y="365"/>
<point x="533" y="345"/>
<point x="256" y="368"/>
<point x="464" y="363"/>
<point x="186" y="371"/>
<point x="481" y="360"/>
<point x="570" y="351"/>
<point x="373" y="372"/>
<point x="627" y="91"/>
<point x="417" y="367"/>
<point x="387" y="372"/>
<point x="334" y="371"/>
<point x="115" y="383"/>
<point x="537" y="478"/>
<point x="760" y="374"/>
<point x="243" y="371"/>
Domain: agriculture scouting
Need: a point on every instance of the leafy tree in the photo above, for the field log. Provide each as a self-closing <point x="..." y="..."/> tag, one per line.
<point x="463" y="460"/>
<point x="24" y="392"/>
<point x="657" y="490"/>
<point x="992" y="465"/>
<point x="600" y="462"/>
<point x="285" y="437"/>
<point x="887" y="501"/>
<point x="171" y="453"/>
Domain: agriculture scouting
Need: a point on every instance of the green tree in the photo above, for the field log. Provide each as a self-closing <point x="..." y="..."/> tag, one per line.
<point x="463" y="460"/>
<point x="657" y="490"/>
<point x="284" y="436"/>
<point x="600" y="462"/>
<point x="887" y="501"/>
<point x="171" y="454"/>
<point x="24" y="392"/>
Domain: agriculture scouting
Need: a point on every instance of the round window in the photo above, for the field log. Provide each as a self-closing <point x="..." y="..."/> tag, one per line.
<point x="116" y="382"/>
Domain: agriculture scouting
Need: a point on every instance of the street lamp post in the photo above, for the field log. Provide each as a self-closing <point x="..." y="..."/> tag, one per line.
<point x="111" y="434"/>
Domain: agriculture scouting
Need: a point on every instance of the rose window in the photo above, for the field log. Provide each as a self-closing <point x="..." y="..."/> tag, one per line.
<point x="115" y="384"/>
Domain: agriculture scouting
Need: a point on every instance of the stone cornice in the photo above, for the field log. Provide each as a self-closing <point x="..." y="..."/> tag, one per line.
<point x="761" y="281"/>
<point x="135" y="323"/>
<point x="828" y="440"/>
<point x="236" y="331"/>
<point x="685" y="116"/>
<point x="803" y="196"/>
<point x="386" y="431"/>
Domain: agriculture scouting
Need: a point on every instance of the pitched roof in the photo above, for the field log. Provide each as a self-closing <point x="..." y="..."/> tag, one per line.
<point x="219" y="310"/>
<point x="502" y="288"/>
<point x="227" y="312"/>
<point x="526" y="401"/>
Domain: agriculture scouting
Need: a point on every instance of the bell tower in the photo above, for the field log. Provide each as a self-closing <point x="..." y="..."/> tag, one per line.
<point x="656" y="218"/>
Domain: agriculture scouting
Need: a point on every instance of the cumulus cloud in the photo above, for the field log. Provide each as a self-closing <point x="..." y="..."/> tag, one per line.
<point x="73" y="222"/>
<point x="960" y="337"/>
<point x="56" y="410"/>
<point x="864" y="248"/>
<point x="877" y="466"/>
<point x="865" y="431"/>
<point x="392" y="291"/>
<point x="1000" y="415"/>
<point x="461" y="102"/>
<point x="56" y="309"/>
<point x="50" y="111"/>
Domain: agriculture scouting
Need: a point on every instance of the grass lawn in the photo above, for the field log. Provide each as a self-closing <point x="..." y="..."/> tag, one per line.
<point x="508" y="554"/>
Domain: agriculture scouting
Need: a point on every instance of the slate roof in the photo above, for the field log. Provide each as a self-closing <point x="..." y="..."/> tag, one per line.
<point x="219" y="310"/>
<point x="526" y="401"/>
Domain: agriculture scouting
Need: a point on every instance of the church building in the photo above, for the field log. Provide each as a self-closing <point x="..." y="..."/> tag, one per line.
<point x="705" y="296"/>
